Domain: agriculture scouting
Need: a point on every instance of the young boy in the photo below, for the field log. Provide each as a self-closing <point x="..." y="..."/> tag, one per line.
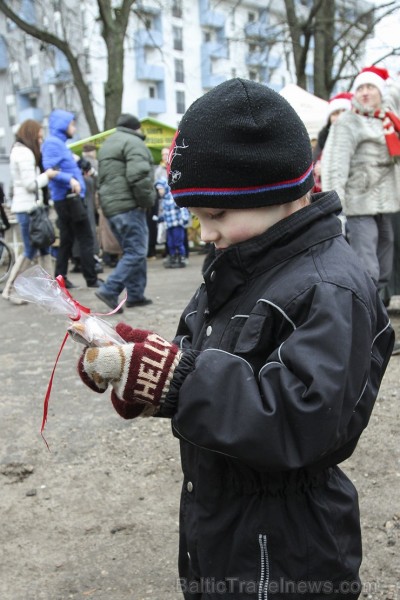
<point x="276" y="365"/>
<point x="176" y="219"/>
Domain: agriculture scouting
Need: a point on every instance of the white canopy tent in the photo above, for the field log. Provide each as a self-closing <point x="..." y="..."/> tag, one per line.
<point x="312" y="110"/>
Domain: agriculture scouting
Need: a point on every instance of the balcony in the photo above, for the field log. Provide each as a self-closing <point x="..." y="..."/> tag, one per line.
<point x="149" y="38"/>
<point x="31" y="113"/>
<point x="208" y="78"/>
<point x="61" y="73"/>
<point x="216" y="49"/>
<point x="261" y="31"/>
<point x="4" y="63"/>
<point x="151" y="106"/>
<point x="27" y="11"/>
<point x="210" y="18"/>
<point x="257" y="59"/>
<point x="29" y="91"/>
<point x="147" y="72"/>
<point x="263" y="58"/>
<point x="51" y="76"/>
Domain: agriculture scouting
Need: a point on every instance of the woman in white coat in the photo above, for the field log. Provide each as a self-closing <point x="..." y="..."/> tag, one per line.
<point x="28" y="182"/>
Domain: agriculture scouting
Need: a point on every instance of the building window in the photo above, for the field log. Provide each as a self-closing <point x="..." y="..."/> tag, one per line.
<point x="57" y="24"/>
<point x="28" y="42"/>
<point x="179" y="73"/>
<point x="253" y="75"/>
<point x="207" y="36"/>
<point x="10" y="25"/>
<point x="14" y="75"/>
<point x="251" y="17"/>
<point x="35" y="71"/>
<point x="177" y="33"/>
<point x="148" y="22"/>
<point x="2" y="141"/>
<point x="253" y="48"/>
<point x="86" y="59"/>
<point x="11" y="111"/>
<point x="152" y="91"/>
<point x="177" y="8"/>
<point x="180" y="102"/>
<point x="52" y="96"/>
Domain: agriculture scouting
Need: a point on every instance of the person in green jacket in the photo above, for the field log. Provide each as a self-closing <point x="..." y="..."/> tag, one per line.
<point x="126" y="191"/>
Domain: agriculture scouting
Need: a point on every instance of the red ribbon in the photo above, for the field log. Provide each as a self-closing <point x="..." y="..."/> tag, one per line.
<point x="80" y="309"/>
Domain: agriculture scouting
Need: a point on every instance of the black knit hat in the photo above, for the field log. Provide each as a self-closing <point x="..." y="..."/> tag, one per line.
<point x="127" y="120"/>
<point x="241" y="145"/>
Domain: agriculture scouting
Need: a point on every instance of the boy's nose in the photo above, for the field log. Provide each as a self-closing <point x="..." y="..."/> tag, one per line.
<point x="208" y="235"/>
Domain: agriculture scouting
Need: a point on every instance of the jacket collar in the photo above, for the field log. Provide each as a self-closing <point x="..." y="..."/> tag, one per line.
<point x="131" y="131"/>
<point x="233" y="267"/>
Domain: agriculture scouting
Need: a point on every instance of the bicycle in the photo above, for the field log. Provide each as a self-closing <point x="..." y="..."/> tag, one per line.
<point x="7" y="260"/>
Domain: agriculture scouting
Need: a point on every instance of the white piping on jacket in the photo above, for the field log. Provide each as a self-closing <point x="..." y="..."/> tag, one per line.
<point x="190" y="314"/>
<point x="279" y="309"/>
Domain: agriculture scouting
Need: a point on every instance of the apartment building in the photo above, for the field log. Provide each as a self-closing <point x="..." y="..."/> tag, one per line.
<point x="175" y="51"/>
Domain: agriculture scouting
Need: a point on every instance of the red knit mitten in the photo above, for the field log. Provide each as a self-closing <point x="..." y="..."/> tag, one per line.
<point x="140" y="371"/>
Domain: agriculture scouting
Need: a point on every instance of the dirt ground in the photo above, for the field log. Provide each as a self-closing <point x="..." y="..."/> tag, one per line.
<point x="97" y="516"/>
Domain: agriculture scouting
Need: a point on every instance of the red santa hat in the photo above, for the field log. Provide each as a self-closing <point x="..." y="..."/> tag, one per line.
<point x="341" y="101"/>
<point x="372" y="75"/>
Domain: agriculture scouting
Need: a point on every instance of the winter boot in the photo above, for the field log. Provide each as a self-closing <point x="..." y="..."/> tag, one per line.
<point x="21" y="264"/>
<point x="181" y="262"/>
<point x="170" y="262"/>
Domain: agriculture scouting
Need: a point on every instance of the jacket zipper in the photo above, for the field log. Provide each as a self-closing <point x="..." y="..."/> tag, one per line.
<point x="264" y="577"/>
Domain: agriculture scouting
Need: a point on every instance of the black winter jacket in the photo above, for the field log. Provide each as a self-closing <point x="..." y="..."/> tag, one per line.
<point x="286" y="344"/>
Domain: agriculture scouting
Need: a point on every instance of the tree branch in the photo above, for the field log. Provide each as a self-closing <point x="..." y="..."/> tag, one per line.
<point x="64" y="47"/>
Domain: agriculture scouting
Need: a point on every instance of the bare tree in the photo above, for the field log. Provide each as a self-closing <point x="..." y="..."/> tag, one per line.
<point x="328" y="34"/>
<point x="114" y="22"/>
<point x="332" y="35"/>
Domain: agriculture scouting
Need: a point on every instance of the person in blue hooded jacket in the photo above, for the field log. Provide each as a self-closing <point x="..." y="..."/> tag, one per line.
<point x="69" y="181"/>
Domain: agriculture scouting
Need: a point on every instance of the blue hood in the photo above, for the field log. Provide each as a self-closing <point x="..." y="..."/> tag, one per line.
<point x="163" y="182"/>
<point x="59" y="121"/>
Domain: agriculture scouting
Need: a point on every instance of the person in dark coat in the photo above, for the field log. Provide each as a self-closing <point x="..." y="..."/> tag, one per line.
<point x="275" y="367"/>
<point x="68" y="182"/>
<point x="126" y="192"/>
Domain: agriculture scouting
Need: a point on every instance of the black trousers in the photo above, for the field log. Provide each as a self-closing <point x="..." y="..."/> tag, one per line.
<point x="69" y="231"/>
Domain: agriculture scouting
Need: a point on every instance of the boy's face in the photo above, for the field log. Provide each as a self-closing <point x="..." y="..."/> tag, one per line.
<point x="225" y="227"/>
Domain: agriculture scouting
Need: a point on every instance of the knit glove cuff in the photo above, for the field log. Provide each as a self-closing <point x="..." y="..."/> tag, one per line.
<point x="139" y="372"/>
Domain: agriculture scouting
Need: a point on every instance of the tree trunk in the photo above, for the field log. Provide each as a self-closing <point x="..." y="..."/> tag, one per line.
<point x="299" y="42"/>
<point x="115" y="82"/>
<point x="323" y="50"/>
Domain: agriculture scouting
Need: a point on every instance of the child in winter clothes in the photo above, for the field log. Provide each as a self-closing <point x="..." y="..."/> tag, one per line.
<point x="275" y="367"/>
<point x="176" y="219"/>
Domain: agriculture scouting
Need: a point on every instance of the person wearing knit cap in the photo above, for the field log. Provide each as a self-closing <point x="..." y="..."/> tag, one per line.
<point x="361" y="161"/>
<point x="126" y="191"/>
<point x="337" y="104"/>
<point x="276" y="363"/>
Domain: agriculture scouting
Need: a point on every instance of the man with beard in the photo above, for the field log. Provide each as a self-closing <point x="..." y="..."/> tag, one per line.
<point x="361" y="162"/>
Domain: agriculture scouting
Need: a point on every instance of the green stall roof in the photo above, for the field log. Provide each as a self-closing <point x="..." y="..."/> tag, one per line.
<point x="158" y="135"/>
